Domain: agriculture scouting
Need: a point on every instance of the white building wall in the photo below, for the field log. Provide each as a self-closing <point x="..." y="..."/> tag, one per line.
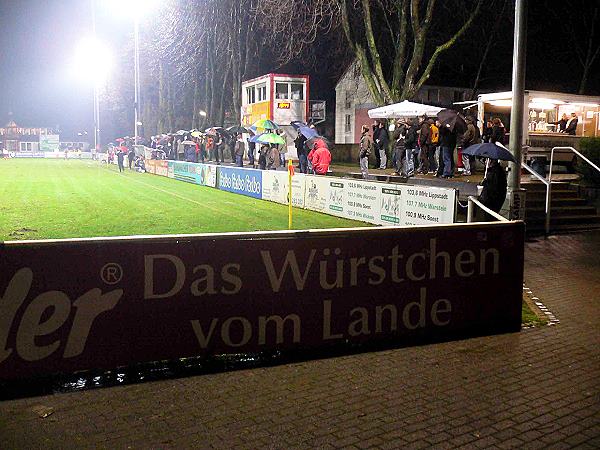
<point x="352" y="87"/>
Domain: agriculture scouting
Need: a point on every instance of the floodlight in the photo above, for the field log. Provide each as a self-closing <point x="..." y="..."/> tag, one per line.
<point x="93" y="60"/>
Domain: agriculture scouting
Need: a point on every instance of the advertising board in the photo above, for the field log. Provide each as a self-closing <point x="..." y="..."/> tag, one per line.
<point x="161" y="168"/>
<point x="276" y="186"/>
<point x="241" y="181"/>
<point x="188" y="172"/>
<point x="426" y="205"/>
<point x="72" y="305"/>
<point x="49" y="142"/>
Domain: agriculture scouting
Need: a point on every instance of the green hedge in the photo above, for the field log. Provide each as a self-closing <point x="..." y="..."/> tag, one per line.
<point x="590" y="147"/>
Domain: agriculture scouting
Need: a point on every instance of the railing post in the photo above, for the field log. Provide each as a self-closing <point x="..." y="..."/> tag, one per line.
<point x="470" y="210"/>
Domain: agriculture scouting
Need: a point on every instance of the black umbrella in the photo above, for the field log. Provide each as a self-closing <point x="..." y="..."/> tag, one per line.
<point x="236" y="129"/>
<point x="453" y="120"/>
<point x="489" y="150"/>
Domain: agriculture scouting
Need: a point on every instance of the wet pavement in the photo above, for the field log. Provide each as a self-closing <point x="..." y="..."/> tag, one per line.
<point x="539" y="388"/>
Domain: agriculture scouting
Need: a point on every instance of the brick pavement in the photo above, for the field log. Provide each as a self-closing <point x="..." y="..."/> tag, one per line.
<point x="536" y="389"/>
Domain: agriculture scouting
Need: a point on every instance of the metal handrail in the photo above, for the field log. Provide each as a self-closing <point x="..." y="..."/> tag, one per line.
<point x="471" y="210"/>
<point x="548" y="190"/>
<point x="548" y="186"/>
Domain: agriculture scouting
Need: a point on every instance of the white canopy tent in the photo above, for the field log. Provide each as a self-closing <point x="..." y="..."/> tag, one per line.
<point x="403" y="109"/>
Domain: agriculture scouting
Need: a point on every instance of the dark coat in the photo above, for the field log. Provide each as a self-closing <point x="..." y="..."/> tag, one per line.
<point x="494" y="188"/>
<point x="447" y="138"/>
<point x="425" y="137"/>
<point x="572" y="127"/>
<point x="411" y="137"/>
<point x="497" y="134"/>
<point x="299" y="143"/>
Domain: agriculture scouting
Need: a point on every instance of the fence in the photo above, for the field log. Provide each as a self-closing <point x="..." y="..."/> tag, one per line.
<point x="368" y="201"/>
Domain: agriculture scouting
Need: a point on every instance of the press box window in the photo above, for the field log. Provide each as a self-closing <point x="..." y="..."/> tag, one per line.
<point x="297" y="91"/>
<point x="262" y="92"/>
<point x="250" y="95"/>
<point x="281" y="91"/>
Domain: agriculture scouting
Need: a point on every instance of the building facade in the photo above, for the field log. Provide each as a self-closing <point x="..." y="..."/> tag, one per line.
<point x="353" y="101"/>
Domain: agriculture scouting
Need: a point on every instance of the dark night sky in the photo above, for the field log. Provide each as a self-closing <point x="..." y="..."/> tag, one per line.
<point x="39" y="83"/>
<point x="41" y="88"/>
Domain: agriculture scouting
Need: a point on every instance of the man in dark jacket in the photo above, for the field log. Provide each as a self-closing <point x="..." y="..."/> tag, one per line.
<point x="425" y="142"/>
<point x="571" y="126"/>
<point x="300" y="142"/>
<point x="412" y="148"/>
<point x="447" y="145"/>
<point x="130" y="157"/>
<point x="470" y="137"/>
<point x="381" y="142"/>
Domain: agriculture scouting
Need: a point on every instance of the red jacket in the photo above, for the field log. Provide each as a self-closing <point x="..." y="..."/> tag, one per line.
<point x="320" y="158"/>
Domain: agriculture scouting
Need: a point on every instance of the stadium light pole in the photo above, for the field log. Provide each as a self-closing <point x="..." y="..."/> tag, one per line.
<point x="93" y="59"/>
<point x="135" y="9"/>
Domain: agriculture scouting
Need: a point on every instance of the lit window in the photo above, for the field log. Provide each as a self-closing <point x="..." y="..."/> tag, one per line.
<point x="297" y="90"/>
<point x="282" y="91"/>
<point x="262" y="92"/>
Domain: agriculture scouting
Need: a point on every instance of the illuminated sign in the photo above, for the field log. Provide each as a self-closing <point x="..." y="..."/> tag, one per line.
<point x="283" y="105"/>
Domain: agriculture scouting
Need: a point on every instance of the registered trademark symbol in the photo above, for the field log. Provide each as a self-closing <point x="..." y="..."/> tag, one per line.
<point x="111" y="273"/>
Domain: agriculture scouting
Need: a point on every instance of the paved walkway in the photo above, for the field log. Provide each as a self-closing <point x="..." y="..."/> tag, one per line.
<point x="536" y="389"/>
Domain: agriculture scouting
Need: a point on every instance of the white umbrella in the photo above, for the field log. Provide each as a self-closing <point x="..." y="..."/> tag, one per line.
<point x="403" y="109"/>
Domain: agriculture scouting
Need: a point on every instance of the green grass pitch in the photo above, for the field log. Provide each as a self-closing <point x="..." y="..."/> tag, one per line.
<point x="51" y="199"/>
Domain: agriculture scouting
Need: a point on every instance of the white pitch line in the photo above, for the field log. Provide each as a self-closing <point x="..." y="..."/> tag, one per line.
<point x="163" y="190"/>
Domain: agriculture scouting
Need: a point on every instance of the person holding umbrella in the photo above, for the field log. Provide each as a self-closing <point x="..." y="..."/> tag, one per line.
<point x="301" y="151"/>
<point x="494" y="187"/>
<point x="447" y="145"/>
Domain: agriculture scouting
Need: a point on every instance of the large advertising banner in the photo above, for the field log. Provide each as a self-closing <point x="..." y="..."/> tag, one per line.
<point x="426" y="205"/>
<point x="362" y="201"/>
<point x="49" y="142"/>
<point x="171" y="169"/>
<point x="276" y="188"/>
<point x="151" y="166"/>
<point x="161" y="168"/>
<point x="241" y="181"/>
<point x="390" y="204"/>
<point x="188" y="172"/>
<point x="316" y="194"/>
<point x="209" y="175"/>
<point x="72" y="305"/>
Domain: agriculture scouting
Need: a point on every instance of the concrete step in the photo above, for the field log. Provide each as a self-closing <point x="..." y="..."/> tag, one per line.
<point x="541" y="202"/>
<point x="536" y="229"/>
<point x="541" y="187"/>
<point x="554" y="194"/>
<point x="561" y="211"/>
<point x="564" y="220"/>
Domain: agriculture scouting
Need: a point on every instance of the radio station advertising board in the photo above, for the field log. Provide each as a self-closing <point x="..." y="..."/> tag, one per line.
<point x="72" y="305"/>
<point x="380" y="203"/>
<point x="241" y="181"/>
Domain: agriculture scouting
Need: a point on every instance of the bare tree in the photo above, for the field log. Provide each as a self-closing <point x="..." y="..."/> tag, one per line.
<point x="579" y="21"/>
<point x="392" y="40"/>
